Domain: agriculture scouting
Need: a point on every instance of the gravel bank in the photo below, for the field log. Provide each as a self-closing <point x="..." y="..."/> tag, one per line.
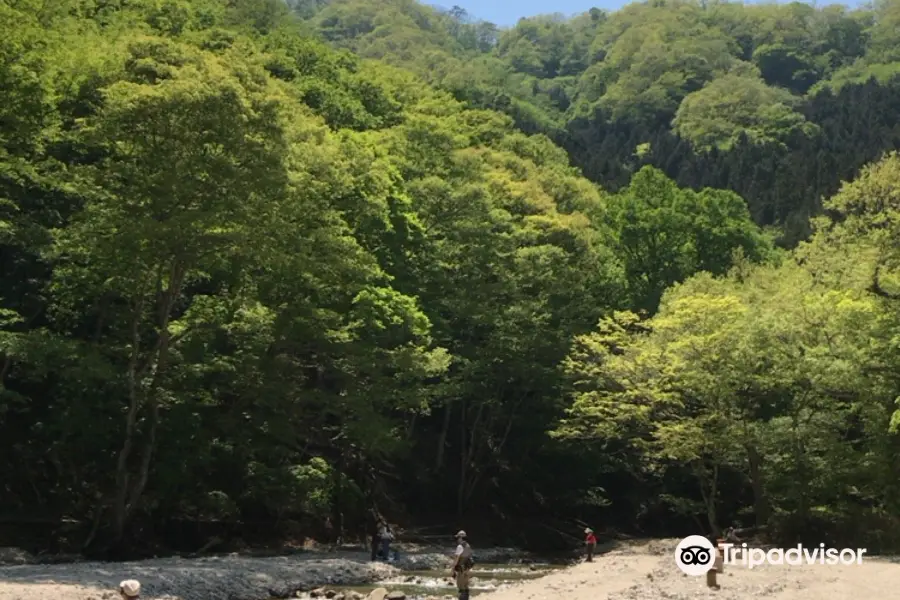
<point x="214" y="578"/>
<point x="219" y="578"/>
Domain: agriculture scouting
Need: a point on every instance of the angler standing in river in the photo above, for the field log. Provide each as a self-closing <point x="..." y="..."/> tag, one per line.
<point x="376" y="539"/>
<point x="462" y="564"/>
<point x="387" y="536"/>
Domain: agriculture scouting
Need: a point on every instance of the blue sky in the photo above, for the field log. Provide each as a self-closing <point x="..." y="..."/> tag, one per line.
<point x="507" y="12"/>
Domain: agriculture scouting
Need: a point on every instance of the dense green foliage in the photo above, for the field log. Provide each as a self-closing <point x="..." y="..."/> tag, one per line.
<point x="751" y="98"/>
<point x="779" y="380"/>
<point x="280" y="263"/>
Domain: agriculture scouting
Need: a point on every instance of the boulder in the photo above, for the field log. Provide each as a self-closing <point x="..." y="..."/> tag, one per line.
<point x="377" y="594"/>
<point x="396" y="595"/>
<point x="15" y="556"/>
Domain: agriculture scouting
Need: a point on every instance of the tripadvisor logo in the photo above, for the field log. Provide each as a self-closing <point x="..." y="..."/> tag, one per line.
<point x="754" y="557"/>
<point x="695" y="555"/>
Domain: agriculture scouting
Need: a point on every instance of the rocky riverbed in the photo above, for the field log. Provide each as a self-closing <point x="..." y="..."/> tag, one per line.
<point x="230" y="577"/>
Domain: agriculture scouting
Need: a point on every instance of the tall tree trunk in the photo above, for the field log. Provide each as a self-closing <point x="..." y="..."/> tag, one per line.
<point x="760" y="500"/>
<point x="801" y="472"/>
<point x="463" y="460"/>
<point x="711" y="513"/>
<point x="134" y="404"/>
<point x="128" y="490"/>
<point x="475" y="466"/>
<point x="7" y="363"/>
<point x="709" y="490"/>
<point x="442" y="437"/>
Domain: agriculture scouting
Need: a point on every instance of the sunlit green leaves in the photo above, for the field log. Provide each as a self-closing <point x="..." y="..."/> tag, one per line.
<point x="735" y="106"/>
<point x="665" y="234"/>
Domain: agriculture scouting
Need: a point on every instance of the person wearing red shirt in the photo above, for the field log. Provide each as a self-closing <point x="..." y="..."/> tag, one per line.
<point x="590" y="542"/>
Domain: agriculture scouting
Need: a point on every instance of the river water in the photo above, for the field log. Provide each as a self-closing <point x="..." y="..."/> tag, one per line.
<point x="419" y="585"/>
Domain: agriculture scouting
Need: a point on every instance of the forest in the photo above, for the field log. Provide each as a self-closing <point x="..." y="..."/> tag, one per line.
<point x="266" y="267"/>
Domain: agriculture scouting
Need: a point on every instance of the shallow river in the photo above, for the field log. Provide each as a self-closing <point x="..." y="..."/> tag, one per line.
<point x="418" y="585"/>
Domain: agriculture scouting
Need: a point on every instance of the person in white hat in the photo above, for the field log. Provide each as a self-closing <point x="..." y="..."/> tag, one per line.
<point x="462" y="563"/>
<point x="590" y="542"/>
<point x="130" y="589"/>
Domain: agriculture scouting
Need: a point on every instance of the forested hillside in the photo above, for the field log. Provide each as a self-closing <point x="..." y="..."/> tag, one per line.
<point x="268" y="266"/>
<point x="751" y="98"/>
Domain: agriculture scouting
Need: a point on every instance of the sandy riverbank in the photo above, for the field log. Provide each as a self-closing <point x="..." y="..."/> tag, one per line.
<point x="647" y="571"/>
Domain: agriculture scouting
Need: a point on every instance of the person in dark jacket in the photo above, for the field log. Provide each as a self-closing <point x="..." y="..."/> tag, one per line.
<point x="387" y="536"/>
<point x="376" y="538"/>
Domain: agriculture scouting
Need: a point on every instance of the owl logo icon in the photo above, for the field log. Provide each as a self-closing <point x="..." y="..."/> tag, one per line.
<point x="695" y="555"/>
